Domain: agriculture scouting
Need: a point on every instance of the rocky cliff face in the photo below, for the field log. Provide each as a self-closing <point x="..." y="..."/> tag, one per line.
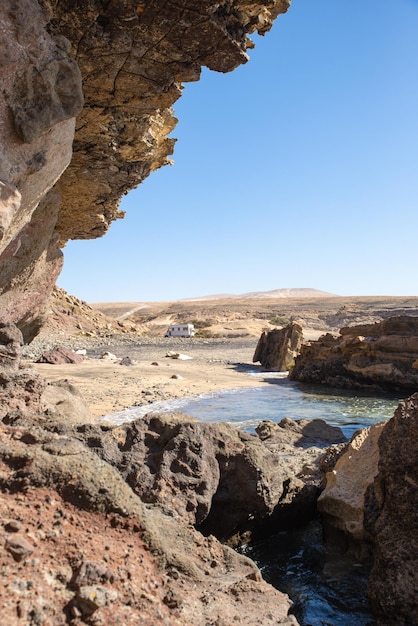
<point x="85" y="110"/>
<point x="381" y="356"/>
<point x="369" y="506"/>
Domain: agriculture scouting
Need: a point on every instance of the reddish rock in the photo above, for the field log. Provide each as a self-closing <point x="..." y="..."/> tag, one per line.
<point x="99" y="551"/>
<point x="59" y="356"/>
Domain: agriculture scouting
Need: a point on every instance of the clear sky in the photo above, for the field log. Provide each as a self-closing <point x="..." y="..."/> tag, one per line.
<point x="298" y="169"/>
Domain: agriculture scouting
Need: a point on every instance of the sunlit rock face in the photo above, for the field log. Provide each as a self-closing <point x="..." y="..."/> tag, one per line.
<point x="381" y="356"/>
<point x="391" y="520"/>
<point x="85" y="112"/>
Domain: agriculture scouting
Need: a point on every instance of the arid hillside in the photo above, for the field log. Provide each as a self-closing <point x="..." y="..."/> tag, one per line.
<point x="226" y="317"/>
<point x="240" y="317"/>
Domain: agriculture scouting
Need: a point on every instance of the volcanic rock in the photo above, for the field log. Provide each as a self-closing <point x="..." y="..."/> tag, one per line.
<point x="89" y="545"/>
<point x="277" y="349"/>
<point x="59" y="356"/>
<point x="391" y="520"/>
<point x="224" y="481"/>
<point x="381" y="356"/>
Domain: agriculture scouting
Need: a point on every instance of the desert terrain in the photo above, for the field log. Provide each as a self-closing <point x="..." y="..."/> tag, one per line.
<point x="220" y="354"/>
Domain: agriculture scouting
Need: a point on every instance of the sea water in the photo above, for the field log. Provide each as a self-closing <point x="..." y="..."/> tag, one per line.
<point x="245" y="408"/>
<point x="326" y="591"/>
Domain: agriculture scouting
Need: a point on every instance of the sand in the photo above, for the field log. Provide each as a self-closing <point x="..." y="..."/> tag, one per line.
<point x="108" y="386"/>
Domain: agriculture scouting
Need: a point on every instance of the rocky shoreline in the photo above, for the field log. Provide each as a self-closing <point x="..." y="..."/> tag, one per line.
<point x="164" y="494"/>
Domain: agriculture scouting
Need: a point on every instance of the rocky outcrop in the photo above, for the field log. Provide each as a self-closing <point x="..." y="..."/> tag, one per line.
<point x="374" y="356"/>
<point x="391" y="520"/>
<point x="225" y="482"/>
<point x="78" y="545"/>
<point x="24" y="393"/>
<point x="93" y="84"/>
<point x="342" y="502"/>
<point x="369" y="507"/>
<point x="277" y="349"/>
<point x="64" y="486"/>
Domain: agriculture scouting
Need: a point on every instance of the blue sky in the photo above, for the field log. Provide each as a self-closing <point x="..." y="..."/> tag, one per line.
<point x="298" y="169"/>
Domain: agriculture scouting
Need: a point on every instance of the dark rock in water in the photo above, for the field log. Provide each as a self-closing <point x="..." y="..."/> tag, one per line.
<point x="276" y="350"/>
<point x="391" y="520"/>
<point x="59" y="356"/>
<point x="373" y="356"/>
<point x="226" y="482"/>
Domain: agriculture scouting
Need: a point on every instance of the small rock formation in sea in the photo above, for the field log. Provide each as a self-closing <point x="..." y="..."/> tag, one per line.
<point x="376" y="356"/>
<point x="277" y="349"/>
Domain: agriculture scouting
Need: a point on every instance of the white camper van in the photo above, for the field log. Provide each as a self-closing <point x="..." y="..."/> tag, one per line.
<point x="180" y="330"/>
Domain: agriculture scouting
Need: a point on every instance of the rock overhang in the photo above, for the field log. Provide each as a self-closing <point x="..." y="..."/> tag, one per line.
<point x="88" y="89"/>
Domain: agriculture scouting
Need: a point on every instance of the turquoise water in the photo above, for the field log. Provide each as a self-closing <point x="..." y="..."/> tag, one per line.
<point x="286" y="398"/>
<point x="245" y="408"/>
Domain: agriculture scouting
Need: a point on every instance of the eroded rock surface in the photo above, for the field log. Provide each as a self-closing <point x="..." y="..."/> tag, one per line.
<point x="369" y="507"/>
<point x="342" y="502"/>
<point x="373" y="356"/>
<point x="225" y="482"/>
<point x="391" y="520"/>
<point x="76" y="543"/>
<point x="93" y="84"/>
<point x="277" y="349"/>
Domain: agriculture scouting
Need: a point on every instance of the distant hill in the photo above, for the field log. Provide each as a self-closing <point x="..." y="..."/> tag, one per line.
<point x="304" y="292"/>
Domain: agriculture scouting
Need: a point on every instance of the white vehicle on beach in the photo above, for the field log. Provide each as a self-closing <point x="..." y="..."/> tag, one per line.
<point x="180" y="330"/>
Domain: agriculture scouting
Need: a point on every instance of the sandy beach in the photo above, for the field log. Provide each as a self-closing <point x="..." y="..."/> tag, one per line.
<point x="108" y="386"/>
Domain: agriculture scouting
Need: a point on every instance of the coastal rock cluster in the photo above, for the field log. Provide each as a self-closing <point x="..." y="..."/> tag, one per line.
<point x="101" y="523"/>
<point x="85" y="110"/>
<point x="380" y="356"/>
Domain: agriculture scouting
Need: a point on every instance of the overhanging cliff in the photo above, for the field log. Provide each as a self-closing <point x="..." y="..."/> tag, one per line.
<point x="85" y="110"/>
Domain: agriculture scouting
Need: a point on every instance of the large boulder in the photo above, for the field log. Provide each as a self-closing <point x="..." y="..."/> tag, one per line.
<point x="342" y="502"/>
<point x="225" y="482"/>
<point x="277" y="349"/>
<point x="381" y="356"/>
<point x="370" y="507"/>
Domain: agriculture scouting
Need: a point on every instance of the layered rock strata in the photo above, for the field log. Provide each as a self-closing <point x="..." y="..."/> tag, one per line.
<point x="381" y="356"/>
<point x="92" y="84"/>
<point x="276" y="350"/>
